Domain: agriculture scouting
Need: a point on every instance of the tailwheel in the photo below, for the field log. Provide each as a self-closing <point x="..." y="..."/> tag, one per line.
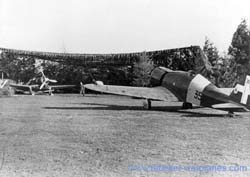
<point x="187" y="105"/>
<point x="147" y="104"/>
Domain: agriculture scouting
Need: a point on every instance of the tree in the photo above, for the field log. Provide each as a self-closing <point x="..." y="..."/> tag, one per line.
<point x="17" y="68"/>
<point x="211" y="52"/>
<point x="240" y="46"/>
<point x="239" y="51"/>
<point x="141" y="70"/>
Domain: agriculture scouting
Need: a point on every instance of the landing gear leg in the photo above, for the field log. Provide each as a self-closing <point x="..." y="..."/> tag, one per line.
<point x="147" y="104"/>
<point x="187" y="105"/>
<point x="231" y="114"/>
<point x="31" y="92"/>
<point x="51" y="93"/>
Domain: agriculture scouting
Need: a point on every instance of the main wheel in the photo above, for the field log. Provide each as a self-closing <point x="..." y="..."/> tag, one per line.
<point x="147" y="104"/>
<point x="187" y="105"/>
<point x="51" y="93"/>
<point x="31" y="92"/>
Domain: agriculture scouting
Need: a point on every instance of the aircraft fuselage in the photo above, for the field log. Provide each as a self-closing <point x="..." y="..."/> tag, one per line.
<point x="190" y="88"/>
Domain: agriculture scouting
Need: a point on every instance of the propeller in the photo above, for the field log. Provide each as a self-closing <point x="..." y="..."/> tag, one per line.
<point x="51" y="80"/>
<point x="46" y="80"/>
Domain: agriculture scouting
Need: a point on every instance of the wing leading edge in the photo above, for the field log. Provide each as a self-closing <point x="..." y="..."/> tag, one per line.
<point x="154" y="93"/>
<point x="18" y="86"/>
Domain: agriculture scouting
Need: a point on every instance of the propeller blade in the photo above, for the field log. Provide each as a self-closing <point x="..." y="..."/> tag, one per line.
<point x="43" y="84"/>
<point x="51" y="80"/>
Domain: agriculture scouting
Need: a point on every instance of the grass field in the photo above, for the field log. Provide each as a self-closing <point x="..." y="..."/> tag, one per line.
<point x="102" y="135"/>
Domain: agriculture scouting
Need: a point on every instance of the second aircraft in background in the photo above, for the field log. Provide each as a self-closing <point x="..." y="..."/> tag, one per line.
<point x="39" y="85"/>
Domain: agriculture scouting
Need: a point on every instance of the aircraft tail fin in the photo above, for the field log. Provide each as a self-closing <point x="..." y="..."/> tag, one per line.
<point x="246" y="91"/>
<point x="241" y="93"/>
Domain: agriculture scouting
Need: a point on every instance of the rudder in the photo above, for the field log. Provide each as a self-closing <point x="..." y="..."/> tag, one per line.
<point x="246" y="91"/>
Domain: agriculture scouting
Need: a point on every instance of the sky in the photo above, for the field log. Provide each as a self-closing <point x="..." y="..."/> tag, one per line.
<point x="117" y="26"/>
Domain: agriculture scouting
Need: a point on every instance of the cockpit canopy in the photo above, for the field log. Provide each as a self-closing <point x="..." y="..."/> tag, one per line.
<point x="157" y="75"/>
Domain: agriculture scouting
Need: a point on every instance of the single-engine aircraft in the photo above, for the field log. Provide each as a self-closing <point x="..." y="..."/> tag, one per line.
<point x="42" y="87"/>
<point x="187" y="87"/>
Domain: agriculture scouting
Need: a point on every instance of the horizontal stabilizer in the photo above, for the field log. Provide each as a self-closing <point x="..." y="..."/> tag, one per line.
<point x="230" y="107"/>
<point x="19" y="86"/>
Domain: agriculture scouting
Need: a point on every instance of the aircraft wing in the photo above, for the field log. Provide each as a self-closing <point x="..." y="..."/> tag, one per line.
<point x="61" y="86"/>
<point x="23" y="87"/>
<point x="155" y="93"/>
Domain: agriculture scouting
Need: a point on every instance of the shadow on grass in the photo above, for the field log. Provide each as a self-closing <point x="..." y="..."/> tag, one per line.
<point x="190" y="114"/>
<point x="176" y="109"/>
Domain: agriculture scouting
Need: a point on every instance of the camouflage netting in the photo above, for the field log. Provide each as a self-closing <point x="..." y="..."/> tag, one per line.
<point x="111" y="68"/>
